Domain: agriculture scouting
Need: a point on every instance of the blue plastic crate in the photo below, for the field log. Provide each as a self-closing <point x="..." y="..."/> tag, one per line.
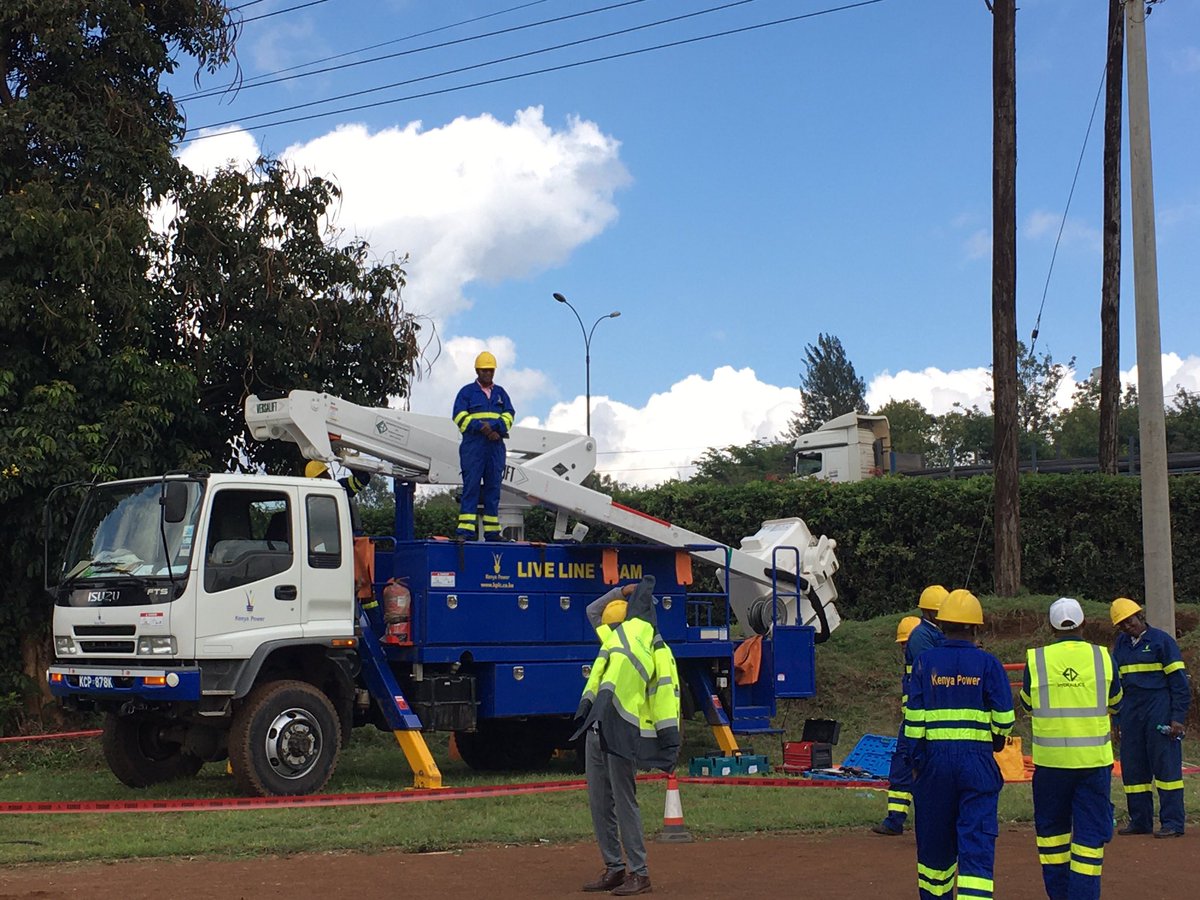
<point x="872" y="753"/>
<point x="751" y="764"/>
<point x="713" y="766"/>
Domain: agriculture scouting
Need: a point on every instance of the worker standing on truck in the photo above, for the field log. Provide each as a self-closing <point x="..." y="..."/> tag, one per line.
<point x="1157" y="696"/>
<point x="899" y="795"/>
<point x="1070" y="688"/>
<point x="630" y="717"/>
<point x="959" y="711"/>
<point x="484" y="415"/>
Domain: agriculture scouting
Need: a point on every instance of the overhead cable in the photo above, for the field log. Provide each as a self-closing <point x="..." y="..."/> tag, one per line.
<point x="519" y="75"/>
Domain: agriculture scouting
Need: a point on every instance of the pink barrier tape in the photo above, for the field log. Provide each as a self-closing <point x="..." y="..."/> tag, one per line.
<point x="62" y="735"/>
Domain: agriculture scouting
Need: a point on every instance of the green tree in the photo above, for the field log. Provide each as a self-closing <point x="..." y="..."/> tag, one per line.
<point x="1038" y="381"/>
<point x="759" y="460"/>
<point x="1077" y="429"/>
<point x="829" y="386"/>
<point x="85" y="143"/>
<point x="912" y="427"/>
<point x="964" y="438"/>
<point x="1183" y="422"/>
<point x="265" y="301"/>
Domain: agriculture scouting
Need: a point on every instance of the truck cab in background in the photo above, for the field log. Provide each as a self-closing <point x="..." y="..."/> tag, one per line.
<point x="852" y="447"/>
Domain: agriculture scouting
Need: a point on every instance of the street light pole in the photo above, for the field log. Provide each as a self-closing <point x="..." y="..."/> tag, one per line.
<point x="587" y="353"/>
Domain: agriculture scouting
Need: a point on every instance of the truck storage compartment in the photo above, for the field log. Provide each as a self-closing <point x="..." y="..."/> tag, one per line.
<point x="444" y="702"/>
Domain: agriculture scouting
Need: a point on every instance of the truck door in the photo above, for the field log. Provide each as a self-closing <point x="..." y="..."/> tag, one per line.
<point x="250" y="572"/>
<point x="328" y="600"/>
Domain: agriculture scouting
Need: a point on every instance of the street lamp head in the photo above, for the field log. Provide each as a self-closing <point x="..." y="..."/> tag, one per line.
<point x="559" y="297"/>
<point x="614" y="313"/>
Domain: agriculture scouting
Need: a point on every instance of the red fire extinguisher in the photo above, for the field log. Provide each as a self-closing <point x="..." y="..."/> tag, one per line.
<point x="397" y="605"/>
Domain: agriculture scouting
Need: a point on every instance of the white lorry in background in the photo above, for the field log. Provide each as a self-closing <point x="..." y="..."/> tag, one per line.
<point x="852" y="447"/>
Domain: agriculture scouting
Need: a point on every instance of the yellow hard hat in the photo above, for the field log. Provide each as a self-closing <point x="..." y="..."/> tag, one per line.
<point x="904" y="629"/>
<point x="314" y="468"/>
<point x="932" y="597"/>
<point x="1122" y="608"/>
<point x="485" y="360"/>
<point x="962" y="607"/>
<point x="614" y="613"/>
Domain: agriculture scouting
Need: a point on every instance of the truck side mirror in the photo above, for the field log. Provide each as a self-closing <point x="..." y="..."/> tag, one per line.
<point x="174" y="501"/>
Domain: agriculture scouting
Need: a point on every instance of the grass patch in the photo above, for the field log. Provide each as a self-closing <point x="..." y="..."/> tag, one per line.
<point x="858" y="673"/>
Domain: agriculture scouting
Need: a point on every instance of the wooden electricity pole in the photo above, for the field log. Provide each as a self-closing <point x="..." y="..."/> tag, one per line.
<point x="1110" y="290"/>
<point x="1004" y="297"/>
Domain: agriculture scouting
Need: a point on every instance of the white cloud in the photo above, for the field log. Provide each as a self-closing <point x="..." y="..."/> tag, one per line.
<point x="1177" y="372"/>
<point x="474" y="200"/>
<point x="979" y="245"/>
<point x="434" y="394"/>
<point x="934" y="389"/>
<point x="1044" y="225"/>
<point x="662" y="439"/>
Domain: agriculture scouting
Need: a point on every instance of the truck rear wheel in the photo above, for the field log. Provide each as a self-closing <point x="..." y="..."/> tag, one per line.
<point x="140" y="753"/>
<point x="285" y="740"/>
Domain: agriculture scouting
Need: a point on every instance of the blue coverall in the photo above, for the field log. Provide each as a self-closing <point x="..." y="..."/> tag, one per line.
<point x="481" y="459"/>
<point x="1156" y="693"/>
<point x="900" y="780"/>
<point x="958" y="700"/>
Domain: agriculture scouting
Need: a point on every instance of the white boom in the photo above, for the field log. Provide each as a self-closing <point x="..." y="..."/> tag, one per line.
<point x="546" y="468"/>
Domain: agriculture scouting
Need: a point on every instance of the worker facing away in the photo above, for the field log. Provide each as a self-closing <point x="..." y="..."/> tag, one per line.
<point x="484" y="415"/>
<point x="629" y="715"/>
<point x="1070" y="687"/>
<point x="959" y="711"/>
<point x="899" y="795"/>
<point x="1157" y="695"/>
<point x="928" y="633"/>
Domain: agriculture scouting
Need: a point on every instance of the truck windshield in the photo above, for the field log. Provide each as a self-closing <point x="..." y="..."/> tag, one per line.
<point x="119" y="533"/>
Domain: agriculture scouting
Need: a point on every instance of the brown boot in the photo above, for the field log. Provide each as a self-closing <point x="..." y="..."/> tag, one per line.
<point x="607" y="881"/>
<point x="633" y="884"/>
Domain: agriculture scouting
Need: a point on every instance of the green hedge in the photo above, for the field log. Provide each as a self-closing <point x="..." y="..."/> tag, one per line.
<point x="1081" y="534"/>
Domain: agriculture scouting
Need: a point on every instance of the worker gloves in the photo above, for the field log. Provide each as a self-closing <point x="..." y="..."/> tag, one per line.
<point x="489" y="432"/>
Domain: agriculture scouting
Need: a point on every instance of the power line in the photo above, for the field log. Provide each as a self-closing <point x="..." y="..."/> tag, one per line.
<point x="1050" y="271"/>
<point x="473" y="66"/>
<point x="544" y="71"/>
<point x="260" y="82"/>
<point x="280" y="12"/>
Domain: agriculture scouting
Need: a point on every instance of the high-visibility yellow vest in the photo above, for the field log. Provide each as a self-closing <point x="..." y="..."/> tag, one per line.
<point x="1068" y="699"/>
<point x="624" y="667"/>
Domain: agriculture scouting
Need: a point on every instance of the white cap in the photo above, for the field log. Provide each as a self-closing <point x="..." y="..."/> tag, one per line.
<point x="1065" y="614"/>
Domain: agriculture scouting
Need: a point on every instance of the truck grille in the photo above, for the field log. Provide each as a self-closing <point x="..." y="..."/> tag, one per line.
<point x="104" y="630"/>
<point x="106" y="646"/>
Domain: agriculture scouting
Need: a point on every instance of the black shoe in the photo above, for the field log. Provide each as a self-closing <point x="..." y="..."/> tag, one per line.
<point x="606" y="882"/>
<point x="633" y="884"/>
<point x="881" y="828"/>
<point x="1129" y="829"/>
<point x="1168" y="833"/>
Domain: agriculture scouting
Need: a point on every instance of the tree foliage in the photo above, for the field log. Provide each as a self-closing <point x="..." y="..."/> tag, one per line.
<point x="913" y="428"/>
<point x="758" y="460"/>
<point x="129" y="352"/>
<point x="829" y="386"/>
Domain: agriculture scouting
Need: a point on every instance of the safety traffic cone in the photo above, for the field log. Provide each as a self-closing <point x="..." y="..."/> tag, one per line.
<point x="674" y="831"/>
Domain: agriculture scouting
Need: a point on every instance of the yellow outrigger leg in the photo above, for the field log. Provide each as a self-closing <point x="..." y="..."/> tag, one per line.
<point x="725" y="739"/>
<point x="425" y="771"/>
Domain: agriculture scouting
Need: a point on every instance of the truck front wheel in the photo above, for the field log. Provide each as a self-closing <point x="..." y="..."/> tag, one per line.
<point x="140" y="751"/>
<point x="285" y="740"/>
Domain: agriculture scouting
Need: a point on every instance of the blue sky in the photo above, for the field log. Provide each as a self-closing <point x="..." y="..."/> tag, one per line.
<point x="731" y="197"/>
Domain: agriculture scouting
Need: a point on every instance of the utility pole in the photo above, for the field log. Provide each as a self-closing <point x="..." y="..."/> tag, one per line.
<point x="1110" y="290"/>
<point x="1006" y="498"/>
<point x="1156" y="507"/>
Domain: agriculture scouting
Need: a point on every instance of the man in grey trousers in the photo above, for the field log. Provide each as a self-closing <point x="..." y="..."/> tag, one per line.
<point x="613" y="804"/>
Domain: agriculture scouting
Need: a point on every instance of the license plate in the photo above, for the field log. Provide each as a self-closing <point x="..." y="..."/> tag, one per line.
<point x="95" y="681"/>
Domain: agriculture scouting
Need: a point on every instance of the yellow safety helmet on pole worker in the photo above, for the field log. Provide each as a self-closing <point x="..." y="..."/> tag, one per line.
<point x="314" y="468"/>
<point x="1122" y="608"/>
<point x="485" y="360"/>
<point x="904" y="629"/>
<point x="961" y="607"/>
<point x="932" y="597"/>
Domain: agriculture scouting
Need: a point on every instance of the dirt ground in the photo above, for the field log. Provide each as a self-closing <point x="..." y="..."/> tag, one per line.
<point x="832" y="866"/>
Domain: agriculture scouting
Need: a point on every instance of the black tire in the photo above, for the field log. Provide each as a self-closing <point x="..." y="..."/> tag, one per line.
<point x="505" y="746"/>
<point x="140" y="751"/>
<point x="285" y="740"/>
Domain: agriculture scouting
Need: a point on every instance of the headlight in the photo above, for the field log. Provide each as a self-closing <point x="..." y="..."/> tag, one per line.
<point x="64" y="645"/>
<point x="163" y="645"/>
